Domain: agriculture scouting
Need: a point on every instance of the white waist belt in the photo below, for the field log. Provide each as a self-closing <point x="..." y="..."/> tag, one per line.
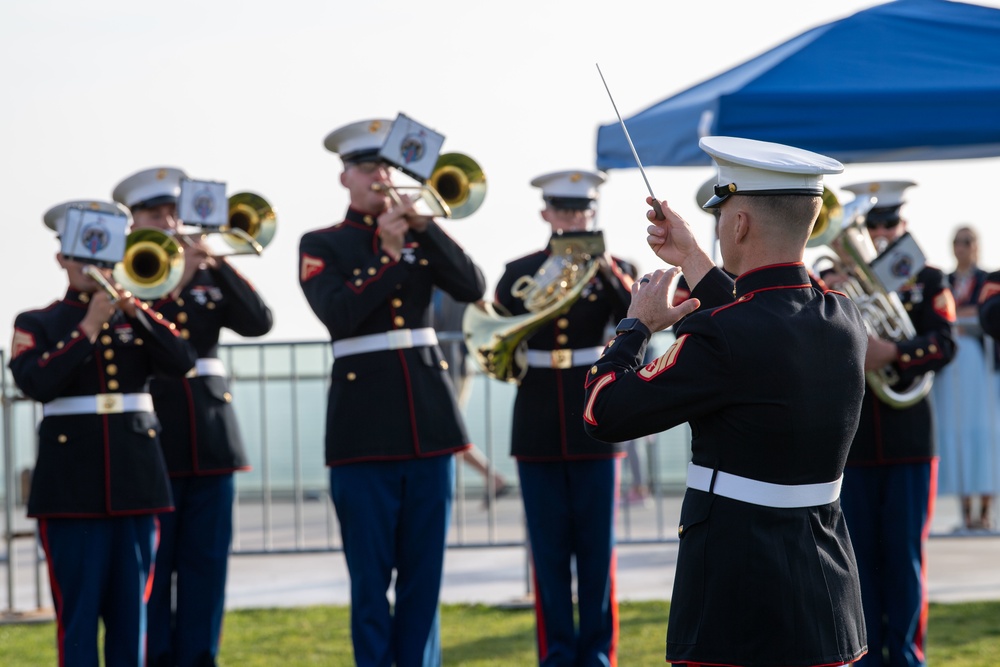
<point x="397" y="339"/>
<point x="207" y="366"/>
<point x="98" y="404"/>
<point x="762" y="493"/>
<point x="563" y="358"/>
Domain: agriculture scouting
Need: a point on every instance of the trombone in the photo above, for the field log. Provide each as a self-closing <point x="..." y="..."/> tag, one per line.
<point x="250" y="226"/>
<point x="456" y="188"/>
<point x="153" y="265"/>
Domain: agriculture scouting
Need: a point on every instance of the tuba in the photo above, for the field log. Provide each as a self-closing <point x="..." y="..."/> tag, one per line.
<point x="498" y="342"/>
<point x="153" y="264"/>
<point x="840" y="227"/>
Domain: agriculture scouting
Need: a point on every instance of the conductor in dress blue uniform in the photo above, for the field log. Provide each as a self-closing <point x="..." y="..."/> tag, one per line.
<point x="393" y="423"/>
<point x="99" y="480"/>
<point x="201" y="438"/>
<point x="568" y="479"/>
<point x="891" y="476"/>
<point x="765" y="569"/>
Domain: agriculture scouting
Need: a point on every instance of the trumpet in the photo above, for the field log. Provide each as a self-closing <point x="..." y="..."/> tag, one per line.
<point x="456" y="188"/>
<point x="153" y="265"/>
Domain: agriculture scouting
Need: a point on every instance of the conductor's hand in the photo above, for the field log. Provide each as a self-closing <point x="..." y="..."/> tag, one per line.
<point x="672" y="241"/>
<point x="650" y="304"/>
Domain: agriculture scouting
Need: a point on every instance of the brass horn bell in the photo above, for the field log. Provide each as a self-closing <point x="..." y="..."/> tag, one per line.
<point x="460" y="182"/>
<point x="252" y="223"/>
<point x="153" y="264"/>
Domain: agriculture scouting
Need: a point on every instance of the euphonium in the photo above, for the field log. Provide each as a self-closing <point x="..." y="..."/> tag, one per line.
<point x="882" y="311"/>
<point x="153" y="264"/>
<point x="498" y="342"/>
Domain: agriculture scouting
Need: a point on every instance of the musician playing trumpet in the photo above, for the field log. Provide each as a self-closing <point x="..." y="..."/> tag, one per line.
<point x="99" y="480"/>
<point x="201" y="438"/>
<point x="393" y="422"/>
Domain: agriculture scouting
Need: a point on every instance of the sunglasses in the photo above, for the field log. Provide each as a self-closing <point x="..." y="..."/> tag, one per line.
<point x="370" y="167"/>
<point x="881" y="224"/>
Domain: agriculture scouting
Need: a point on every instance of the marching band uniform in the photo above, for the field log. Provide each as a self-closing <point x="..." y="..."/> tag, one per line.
<point x="890" y="480"/>
<point x="100" y="478"/>
<point x="202" y="446"/>
<point x="568" y="479"/>
<point x="765" y="571"/>
<point x="393" y="421"/>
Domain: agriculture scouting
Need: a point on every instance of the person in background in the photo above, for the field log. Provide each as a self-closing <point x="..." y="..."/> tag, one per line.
<point x="891" y="476"/>
<point x="99" y="480"/>
<point x="201" y="438"/>
<point x="961" y="394"/>
<point x="765" y="569"/>
<point x="393" y="422"/>
<point x="446" y="316"/>
<point x="568" y="479"/>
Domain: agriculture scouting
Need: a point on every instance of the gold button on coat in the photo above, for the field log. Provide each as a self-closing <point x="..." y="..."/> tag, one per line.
<point x="105" y="340"/>
<point x="109" y="354"/>
<point x="113" y="385"/>
<point x="351" y="377"/>
<point x="111" y="369"/>
<point x="62" y="438"/>
<point x="398" y="321"/>
<point x="396" y="303"/>
<point x="182" y="318"/>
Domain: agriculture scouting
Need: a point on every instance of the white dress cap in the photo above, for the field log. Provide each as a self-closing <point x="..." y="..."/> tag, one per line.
<point x="705" y="192"/>
<point x="748" y="166"/>
<point x="55" y="217"/>
<point x="570" y="189"/>
<point x="888" y="194"/>
<point x="360" y="141"/>
<point x="150" y="187"/>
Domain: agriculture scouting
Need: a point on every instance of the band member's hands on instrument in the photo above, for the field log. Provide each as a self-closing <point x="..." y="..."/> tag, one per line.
<point x="393" y="421"/>
<point x="672" y="240"/>
<point x="568" y="479"/>
<point x="99" y="479"/>
<point x="651" y="305"/>
<point x="201" y="295"/>
<point x="880" y="353"/>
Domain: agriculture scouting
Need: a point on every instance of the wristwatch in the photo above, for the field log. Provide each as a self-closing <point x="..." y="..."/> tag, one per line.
<point x="632" y="324"/>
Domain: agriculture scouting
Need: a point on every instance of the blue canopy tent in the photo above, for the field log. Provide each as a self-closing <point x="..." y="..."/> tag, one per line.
<point x="906" y="80"/>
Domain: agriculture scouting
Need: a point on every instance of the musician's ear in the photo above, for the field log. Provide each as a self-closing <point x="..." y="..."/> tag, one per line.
<point x="741" y="226"/>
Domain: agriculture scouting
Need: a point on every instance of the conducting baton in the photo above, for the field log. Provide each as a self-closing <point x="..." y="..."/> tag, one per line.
<point x="656" y="202"/>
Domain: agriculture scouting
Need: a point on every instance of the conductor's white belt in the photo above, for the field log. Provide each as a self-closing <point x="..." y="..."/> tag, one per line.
<point x="98" y="404"/>
<point x="207" y="366"/>
<point x="583" y="356"/>
<point x="762" y="493"/>
<point x="397" y="339"/>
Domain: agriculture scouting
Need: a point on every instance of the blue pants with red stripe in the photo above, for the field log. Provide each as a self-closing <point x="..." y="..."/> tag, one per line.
<point x="394" y="516"/>
<point x="570" y="508"/>
<point x="185" y="615"/>
<point x="888" y="510"/>
<point x="100" y="569"/>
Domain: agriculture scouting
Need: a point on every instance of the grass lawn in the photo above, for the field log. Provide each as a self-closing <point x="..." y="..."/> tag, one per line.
<point x="959" y="635"/>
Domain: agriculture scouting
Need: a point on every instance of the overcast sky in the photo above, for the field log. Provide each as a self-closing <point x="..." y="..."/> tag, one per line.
<point x="245" y="92"/>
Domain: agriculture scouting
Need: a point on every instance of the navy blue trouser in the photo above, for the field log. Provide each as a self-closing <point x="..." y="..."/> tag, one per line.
<point x="189" y="584"/>
<point x="888" y="512"/>
<point x="100" y="569"/>
<point x="570" y="508"/>
<point x="394" y="516"/>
